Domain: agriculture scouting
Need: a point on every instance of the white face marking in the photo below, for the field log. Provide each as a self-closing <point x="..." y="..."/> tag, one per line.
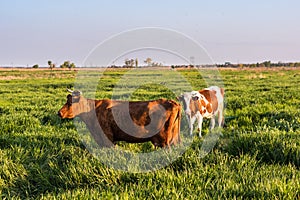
<point x="187" y="98"/>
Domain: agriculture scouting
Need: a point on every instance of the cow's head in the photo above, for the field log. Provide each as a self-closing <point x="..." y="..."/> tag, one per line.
<point x="186" y="98"/>
<point x="75" y="105"/>
<point x="195" y="96"/>
<point x="191" y="102"/>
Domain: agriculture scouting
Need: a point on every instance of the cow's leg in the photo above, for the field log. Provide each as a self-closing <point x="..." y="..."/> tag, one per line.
<point x="220" y="118"/>
<point x="191" y="124"/>
<point x="200" y="121"/>
<point x="212" y="122"/>
<point x="188" y="118"/>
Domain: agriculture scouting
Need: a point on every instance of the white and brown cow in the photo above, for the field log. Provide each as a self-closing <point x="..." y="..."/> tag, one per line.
<point x="110" y="121"/>
<point x="206" y="103"/>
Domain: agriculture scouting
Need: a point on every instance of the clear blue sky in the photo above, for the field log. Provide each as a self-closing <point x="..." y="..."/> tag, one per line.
<point x="35" y="31"/>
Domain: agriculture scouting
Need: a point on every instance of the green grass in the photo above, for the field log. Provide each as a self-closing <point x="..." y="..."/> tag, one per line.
<point x="258" y="156"/>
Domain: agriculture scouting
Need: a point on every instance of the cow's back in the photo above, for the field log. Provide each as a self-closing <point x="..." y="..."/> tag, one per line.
<point x="210" y="96"/>
<point x="140" y="121"/>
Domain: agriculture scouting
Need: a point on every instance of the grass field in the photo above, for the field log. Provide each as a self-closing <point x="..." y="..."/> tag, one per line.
<point x="258" y="156"/>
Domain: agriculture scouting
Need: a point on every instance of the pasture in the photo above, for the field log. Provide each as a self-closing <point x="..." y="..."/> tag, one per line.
<point x="258" y="155"/>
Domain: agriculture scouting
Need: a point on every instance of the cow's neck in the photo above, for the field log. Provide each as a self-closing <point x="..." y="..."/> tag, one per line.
<point x="91" y="120"/>
<point x="194" y="107"/>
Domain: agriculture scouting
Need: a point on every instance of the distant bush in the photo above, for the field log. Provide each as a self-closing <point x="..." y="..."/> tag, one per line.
<point x="35" y="66"/>
<point x="68" y="64"/>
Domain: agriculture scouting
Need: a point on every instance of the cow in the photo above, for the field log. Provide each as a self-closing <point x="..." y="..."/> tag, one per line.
<point x="110" y="121"/>
<point x="206" y="103"/>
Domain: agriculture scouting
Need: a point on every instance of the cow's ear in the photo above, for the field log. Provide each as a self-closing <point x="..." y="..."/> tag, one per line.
<point x="76" y="93"/>
<point x="195" y="98"/>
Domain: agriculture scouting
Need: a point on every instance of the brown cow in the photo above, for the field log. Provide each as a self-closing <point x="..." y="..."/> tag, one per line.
<point x="110" y="121"/>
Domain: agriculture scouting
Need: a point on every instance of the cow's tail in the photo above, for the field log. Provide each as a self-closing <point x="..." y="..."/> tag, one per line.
<point x="222" y="91"/>
<point x="176" y="126"/>
<point x="178" y="123"/>
<point x="222" y="104"/>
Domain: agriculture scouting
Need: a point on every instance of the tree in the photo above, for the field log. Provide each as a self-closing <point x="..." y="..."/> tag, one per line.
<point x="156" y="64"/>
<point x="148" y="61"/>
<point x="267" y="63"/>
<point x="136" y="63"/>
<point x="129" y="63"/>
<point x="35" y="66"/>
<point x="66" y="64"/>
<point x="252" y="65"/>
<point x="72" y="65"/>
<point x="297" y="64"/>
<point x="51" y="65"/>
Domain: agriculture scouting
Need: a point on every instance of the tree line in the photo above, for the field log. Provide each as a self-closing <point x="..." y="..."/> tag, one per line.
<point x="267" y="64"/>
<point x="51" y="65"/>
<point x="130" y="63"/>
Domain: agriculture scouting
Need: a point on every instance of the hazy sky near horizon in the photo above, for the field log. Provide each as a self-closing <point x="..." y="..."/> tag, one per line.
<point x="35" y="31"/>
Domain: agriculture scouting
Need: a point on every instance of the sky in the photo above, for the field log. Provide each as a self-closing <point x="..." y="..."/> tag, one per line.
<point x="237" y="31"/>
